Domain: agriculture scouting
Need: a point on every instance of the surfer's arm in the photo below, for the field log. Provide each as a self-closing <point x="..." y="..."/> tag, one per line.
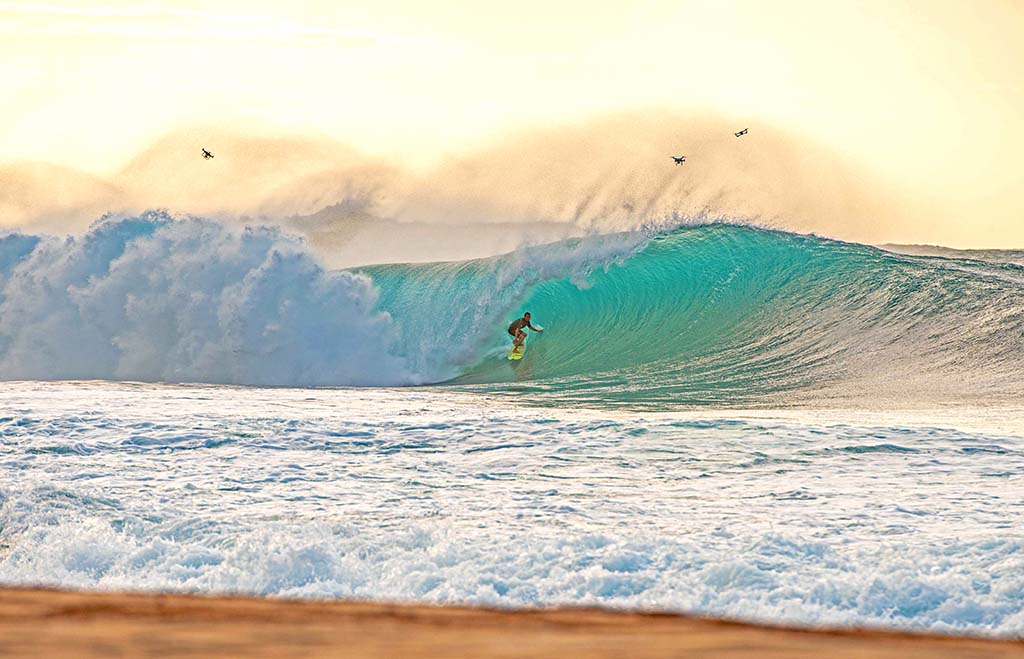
<point x="533" y="328"/>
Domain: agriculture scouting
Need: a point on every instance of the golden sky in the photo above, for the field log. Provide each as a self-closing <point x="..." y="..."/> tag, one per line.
<point x="927" y="96"/>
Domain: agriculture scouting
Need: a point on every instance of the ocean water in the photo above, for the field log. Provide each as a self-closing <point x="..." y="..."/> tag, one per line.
<point x="717" y="419"/>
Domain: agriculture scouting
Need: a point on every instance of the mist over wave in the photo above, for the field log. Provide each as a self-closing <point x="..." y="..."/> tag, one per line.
<point x="707" y="314"/>
<point x="614" y="173"/>
<point x="607" y="174"/>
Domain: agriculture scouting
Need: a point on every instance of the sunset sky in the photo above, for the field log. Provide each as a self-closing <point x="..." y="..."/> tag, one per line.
<point x="927" y="96"/>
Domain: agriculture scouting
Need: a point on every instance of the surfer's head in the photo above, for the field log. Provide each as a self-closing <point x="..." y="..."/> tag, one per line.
<point x="526" y="315"/>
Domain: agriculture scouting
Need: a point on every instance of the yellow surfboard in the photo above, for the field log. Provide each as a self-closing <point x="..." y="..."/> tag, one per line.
<point x="516" y="353"/>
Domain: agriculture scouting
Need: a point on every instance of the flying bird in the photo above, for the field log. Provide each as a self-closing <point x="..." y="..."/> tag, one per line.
<point x="207" y="155"/>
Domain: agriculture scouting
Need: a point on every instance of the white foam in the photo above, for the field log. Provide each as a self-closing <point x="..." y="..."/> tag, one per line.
<point x="163" y="299"/>
<point x="157" y="299"/>
<point x="424" y="495"/>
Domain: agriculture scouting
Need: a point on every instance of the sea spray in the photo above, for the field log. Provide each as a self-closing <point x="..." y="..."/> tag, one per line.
<point x="158" y="299"/>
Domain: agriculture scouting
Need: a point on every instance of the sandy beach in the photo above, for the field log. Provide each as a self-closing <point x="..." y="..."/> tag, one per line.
<point x="52" y="623"/>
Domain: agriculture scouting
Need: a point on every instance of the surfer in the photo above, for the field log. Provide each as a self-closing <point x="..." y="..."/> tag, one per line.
<point x="207" y="155"/>
<point x="516" y="329"/>
<point x="679" y="159"/>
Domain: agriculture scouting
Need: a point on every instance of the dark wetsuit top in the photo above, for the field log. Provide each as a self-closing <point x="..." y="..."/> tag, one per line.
<point x="518" y="324"/>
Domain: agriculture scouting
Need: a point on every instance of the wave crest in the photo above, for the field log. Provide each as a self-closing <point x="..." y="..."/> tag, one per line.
<point x="710" y="314"/>
<point x="158" y="299"/>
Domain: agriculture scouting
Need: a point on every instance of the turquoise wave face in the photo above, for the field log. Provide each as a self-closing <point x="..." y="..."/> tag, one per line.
<point x="718" y="315"/>
<point x="711" y="315"/>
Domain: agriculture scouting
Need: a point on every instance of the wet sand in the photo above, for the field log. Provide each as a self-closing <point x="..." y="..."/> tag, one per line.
<point x="51" y="623"/>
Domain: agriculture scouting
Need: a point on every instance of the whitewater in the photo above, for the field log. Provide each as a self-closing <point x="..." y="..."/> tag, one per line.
<point x="718" y="418"/>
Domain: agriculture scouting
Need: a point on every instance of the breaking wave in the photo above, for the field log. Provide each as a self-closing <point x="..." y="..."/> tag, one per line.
<point x="706" y="314"/>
